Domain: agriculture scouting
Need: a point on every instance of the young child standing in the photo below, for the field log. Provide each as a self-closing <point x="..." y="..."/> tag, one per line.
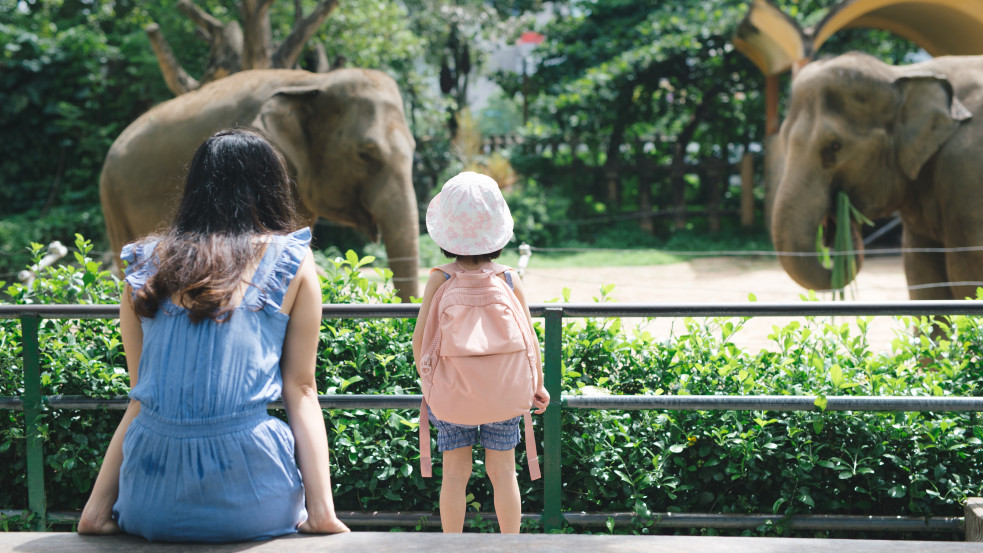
<point x="471" y="223"/>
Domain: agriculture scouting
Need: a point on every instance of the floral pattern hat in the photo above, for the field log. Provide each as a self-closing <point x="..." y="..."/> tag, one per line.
<point x="469" y="216"/>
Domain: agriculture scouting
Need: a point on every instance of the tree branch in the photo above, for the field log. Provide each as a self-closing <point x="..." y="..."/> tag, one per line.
<point x="178" y="80"/>
<point x="291" y="47"/>
<point x="210" y="25"/>
<point x="225" y="42"/>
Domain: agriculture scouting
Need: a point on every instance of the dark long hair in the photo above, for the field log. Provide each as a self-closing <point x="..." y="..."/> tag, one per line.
<point x="237" y="188"/>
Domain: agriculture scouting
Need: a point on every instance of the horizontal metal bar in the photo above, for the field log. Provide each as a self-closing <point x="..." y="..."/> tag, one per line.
<point x="85" y="402"/>
<point x="14" y="403"/>
<point x="61" y="311"/>
<point x="774" y="309"/>
<point x="661" y="520"/>
<point x="749" y="309"/>
<point x="327" y="401"/>
<point x="946" y="404"/>
<point x="368" y="401"/>
<point x="370" y="311"/>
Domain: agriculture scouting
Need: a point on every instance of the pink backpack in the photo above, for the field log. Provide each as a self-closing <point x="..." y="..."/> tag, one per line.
<point x="480" y="357"/>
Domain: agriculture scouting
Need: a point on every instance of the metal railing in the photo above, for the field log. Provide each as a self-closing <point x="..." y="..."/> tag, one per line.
<point x="552" y="517"/>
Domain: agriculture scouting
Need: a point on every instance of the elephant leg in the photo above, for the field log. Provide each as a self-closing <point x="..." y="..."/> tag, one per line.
<point x="965" y="270"/>
<point x="927" y="277"/>
<point x="925" y="271"/>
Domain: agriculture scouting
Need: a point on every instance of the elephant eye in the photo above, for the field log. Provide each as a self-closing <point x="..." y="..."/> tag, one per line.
<point x="370" y="157"/>
<point x="829" y="153"/>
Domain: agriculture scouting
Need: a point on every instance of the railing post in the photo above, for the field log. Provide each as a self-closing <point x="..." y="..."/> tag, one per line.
<point x="552" y="483"/>
<point x="30" y="323"/>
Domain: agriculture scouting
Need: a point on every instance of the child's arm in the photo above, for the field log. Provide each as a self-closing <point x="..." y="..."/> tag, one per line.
<point x="541" y="399"/>
<point x="97" y="516"/>
<point x="436" y="279"/>
<point x="300" y="399"/>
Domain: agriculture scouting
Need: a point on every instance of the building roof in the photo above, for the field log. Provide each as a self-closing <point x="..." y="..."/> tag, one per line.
<point x="775" y="42"/>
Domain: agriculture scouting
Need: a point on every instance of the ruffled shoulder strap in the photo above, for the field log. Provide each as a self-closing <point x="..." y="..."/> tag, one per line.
<point x="281" y="264"/>
<point x="141" y="262"/>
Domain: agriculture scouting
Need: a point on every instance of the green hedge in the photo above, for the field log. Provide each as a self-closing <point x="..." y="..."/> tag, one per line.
<point x="909" y="464"/>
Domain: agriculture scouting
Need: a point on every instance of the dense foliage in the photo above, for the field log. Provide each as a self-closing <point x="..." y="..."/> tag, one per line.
<point x="642" y="462"/>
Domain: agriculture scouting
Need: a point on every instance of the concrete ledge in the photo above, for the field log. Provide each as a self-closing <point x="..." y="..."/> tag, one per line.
<point x="974" y="519"/>
<point x="420" y="542"/>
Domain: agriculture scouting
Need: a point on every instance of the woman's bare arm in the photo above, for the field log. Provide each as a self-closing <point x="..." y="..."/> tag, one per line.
<point x="300" y="399"/>
<point x="541" y="399"/>
<point x="97" y="516"/>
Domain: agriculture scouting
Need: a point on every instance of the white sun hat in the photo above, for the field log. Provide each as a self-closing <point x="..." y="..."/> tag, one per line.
<point x="469" y="216"/>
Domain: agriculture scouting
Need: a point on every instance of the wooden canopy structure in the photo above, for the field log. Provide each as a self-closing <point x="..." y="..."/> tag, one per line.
<point x="776" y="43"/>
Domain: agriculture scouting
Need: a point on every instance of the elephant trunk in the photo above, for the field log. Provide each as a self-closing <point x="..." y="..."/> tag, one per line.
<point x="793" y="232"/>
<point x="806" y="270"/>
<point x="399" y="225"/>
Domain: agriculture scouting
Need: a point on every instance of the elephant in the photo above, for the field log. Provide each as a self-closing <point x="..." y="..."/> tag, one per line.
<point x="344" y="135"/>
<point x="895" y="139"/>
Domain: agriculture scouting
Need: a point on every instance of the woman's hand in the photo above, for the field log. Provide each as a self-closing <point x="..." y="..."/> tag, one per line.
<point x="101" y="523"/>
<point x="328" y="525"/>
<point x="541" y="400"/>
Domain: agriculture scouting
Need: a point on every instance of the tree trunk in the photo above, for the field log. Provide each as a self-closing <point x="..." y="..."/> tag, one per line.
<point x="234" y="47"/>
<point x="716" y="174"/>
<point x="288" y="53"/>
<point x="258" y="34"/>
<point x="678" y="183"/>
<point x="645" y="174"/>
<point x="747" y="191"/>
<point x="225" y="42"/>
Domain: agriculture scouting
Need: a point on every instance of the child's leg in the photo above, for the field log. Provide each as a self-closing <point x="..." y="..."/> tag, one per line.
<point x="508" y="505"/>
<point x="457" y="464"/>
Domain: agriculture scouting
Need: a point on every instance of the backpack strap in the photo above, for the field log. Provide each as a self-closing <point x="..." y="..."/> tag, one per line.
<point x="495" y="268"/>
<point x="426" y="463"/>
<point x="448" y="269"/>
<point x="451" y="268"/>
<point x="532" y="457"/>
<point x="424" y="367"/>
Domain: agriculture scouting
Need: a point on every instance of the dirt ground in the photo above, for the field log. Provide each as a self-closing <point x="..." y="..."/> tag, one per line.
<point x="718" y="280"/>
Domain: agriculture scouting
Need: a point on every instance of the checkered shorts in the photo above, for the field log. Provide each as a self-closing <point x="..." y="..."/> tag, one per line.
<point x="499" y="436"/>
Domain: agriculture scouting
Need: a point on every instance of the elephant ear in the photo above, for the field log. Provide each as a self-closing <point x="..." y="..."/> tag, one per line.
<point x="283" y="119"/>
<point x="929" y="114"/>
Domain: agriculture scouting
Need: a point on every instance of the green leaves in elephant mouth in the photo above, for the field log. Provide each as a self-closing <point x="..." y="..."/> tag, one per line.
<point x="842" y="259"/>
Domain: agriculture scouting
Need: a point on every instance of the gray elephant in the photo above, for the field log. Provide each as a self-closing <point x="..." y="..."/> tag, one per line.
<point x="343" y="133"/>
<point x="894" y="139"/>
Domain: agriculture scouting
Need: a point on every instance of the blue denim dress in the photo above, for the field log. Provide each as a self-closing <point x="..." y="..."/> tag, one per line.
<point x="204" y="461"/>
